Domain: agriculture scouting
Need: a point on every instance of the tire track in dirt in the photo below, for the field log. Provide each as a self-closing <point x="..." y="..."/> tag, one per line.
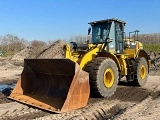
<point x="95" y="110"/>
<point x="15" y="110"/>
<point x="143" y="108"/>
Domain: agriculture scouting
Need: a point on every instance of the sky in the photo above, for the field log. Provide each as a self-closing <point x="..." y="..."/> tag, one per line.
<point x="60" y="19"/>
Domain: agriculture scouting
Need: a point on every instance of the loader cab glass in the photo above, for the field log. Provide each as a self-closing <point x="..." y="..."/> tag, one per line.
<point x="100" y="32"/>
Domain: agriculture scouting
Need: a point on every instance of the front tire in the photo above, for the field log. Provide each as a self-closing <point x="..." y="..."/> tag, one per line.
<point x="103" y="76"/>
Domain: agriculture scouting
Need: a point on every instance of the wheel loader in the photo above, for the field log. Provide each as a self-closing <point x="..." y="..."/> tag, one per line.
<point x="91" y="69"/>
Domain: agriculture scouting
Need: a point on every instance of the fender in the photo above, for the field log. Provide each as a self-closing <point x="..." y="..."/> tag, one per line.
<point x="142" y="53"/>
<point x="110" y="55"/>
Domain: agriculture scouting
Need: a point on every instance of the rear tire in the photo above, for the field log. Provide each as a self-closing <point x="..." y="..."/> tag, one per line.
<point x="103" y="76"/>
<point x="141" y="72"/>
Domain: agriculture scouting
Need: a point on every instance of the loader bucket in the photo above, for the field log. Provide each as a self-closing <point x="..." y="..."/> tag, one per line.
<point x="56" y="85"/>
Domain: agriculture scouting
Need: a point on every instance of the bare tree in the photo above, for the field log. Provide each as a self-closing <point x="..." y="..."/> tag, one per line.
<point x="11" y="43"/>
<point x="36" y="47"/>
<point x="82" y="39"/>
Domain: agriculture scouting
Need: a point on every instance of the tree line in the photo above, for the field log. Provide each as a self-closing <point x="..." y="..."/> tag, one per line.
<point x="149" y="38"/>
<point x="10" y="43"/>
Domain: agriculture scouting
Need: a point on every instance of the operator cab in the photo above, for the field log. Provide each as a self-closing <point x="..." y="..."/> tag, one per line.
<point x="111" y="32"/>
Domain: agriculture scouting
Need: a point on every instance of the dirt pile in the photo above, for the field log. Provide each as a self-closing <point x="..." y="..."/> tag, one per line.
<point x="19" y="57"/>
<point x="155" y="60"/>
<point x="54" y="51"/>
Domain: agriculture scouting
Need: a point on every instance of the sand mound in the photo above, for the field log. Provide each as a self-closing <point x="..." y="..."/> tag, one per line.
<point x="54" y="51"/>
<point x="19" y="57"/>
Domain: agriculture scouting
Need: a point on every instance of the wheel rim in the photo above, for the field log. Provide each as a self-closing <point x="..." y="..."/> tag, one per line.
<point x="108" y="78"/>
<point x="143" y="72"/>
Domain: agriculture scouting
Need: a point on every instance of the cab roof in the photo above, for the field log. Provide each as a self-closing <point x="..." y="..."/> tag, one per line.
<point x="112" y="19"/>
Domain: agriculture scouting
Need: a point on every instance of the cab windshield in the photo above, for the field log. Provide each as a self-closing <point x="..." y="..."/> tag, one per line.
<point x="100" y="32"/>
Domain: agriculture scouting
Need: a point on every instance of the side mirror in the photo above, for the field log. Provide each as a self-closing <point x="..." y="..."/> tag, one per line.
<point x="89" y="30"/>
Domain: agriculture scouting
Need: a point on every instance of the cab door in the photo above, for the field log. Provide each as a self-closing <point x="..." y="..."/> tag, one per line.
<point x="119" y="38"/>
